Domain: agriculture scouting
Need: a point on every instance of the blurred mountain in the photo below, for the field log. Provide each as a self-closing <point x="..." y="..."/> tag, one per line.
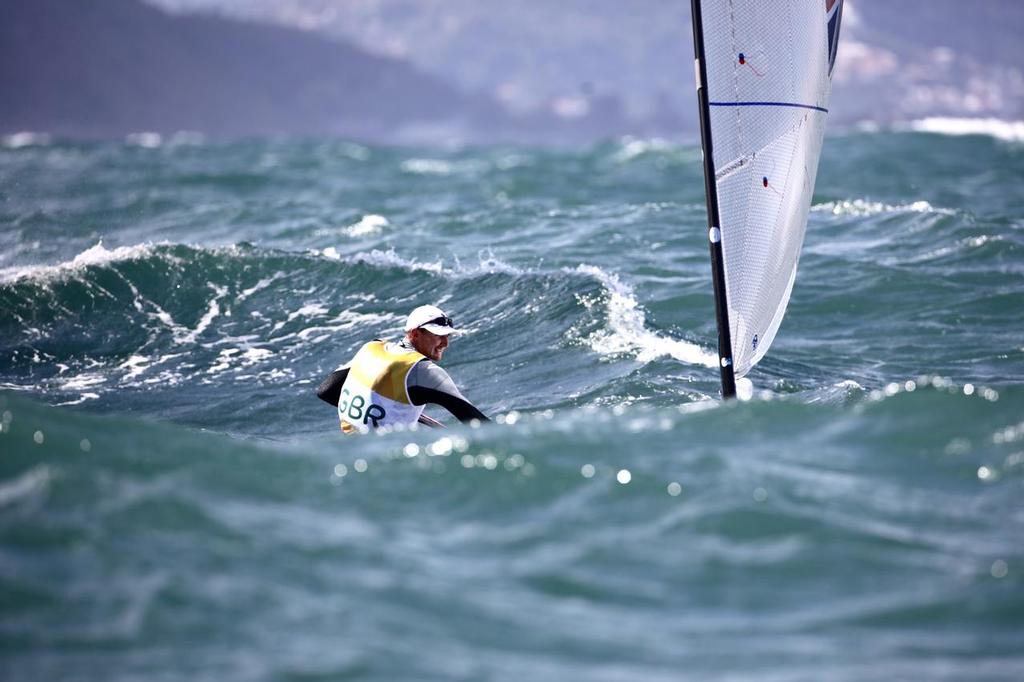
<point x="402" y="70"/>
<point x="562" y="70"/>
<point x="911" y="59"/>
<point x="99" y="68"/>
<point x="898" y="59"/>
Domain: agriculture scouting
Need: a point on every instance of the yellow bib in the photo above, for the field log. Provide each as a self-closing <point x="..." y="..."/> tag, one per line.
<point x="375" y="392"/>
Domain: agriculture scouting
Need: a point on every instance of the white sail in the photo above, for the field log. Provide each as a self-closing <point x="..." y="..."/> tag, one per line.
<point x="769" y="66"/>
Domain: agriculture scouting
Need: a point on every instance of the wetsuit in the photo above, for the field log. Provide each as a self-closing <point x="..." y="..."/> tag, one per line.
<point x="401" y="378"/>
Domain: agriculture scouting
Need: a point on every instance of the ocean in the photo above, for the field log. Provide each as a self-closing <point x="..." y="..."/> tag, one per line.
<point x="176" y="503"/>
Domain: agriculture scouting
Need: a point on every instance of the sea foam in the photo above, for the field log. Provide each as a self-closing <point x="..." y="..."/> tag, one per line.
<point x="1008" y="131"/>
<point x="25" y="139"/>
<point x="864" y="208"/>
<point x="626" y="331"/>
<point x="94" y="255"/>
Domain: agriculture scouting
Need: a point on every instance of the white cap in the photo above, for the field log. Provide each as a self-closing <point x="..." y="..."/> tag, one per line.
<point x="431" y="318"/>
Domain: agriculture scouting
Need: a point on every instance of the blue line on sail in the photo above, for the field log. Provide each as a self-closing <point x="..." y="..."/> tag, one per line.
<point x="767" y="104"/>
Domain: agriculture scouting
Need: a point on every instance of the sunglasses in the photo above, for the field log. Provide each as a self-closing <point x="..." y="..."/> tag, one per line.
<point x="444" y="321"/>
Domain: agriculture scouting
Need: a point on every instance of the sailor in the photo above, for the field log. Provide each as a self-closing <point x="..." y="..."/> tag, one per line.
<point x="388" y="384"/>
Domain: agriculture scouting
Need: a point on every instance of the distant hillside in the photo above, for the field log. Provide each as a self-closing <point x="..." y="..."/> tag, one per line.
<point x="898" y="59"/>
<point x="100" y="68"/>
<point x="528" y="70"/>
<point x="907" y="59"/>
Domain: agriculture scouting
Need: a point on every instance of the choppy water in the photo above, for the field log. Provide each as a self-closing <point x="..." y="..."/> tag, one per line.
<point x="175" y="503"/>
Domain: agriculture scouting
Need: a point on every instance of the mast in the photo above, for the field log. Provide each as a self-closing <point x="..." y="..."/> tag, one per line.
<point x="714" y="226"/>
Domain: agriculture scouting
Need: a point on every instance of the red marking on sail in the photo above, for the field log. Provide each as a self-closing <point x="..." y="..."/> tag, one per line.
<point x="742" y="58"/>
<point x="829" y="4"/>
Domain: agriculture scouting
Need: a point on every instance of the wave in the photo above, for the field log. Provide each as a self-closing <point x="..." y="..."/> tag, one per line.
<point x="1008" y="131"/>
<point x="97" y="255"/>
<point x="160" y="314"/>
<point x="629" y="148"/>
<point x="626" y="331"/>
<point x="151" y="140"/>
<point x="162" y="319"/>
<point x="864" y="208"/>
<point x="130" y="318"/>
<point x="188" y="256"/>
<point x="368" y="224"/>
<point x="487" y="263"/>
<point x="26" y="139"/>
<point x="127" y="534"/>
<point x="110" y="323"/>
<point x="990" y="426"/>
<point x="33" y="482"/>
<point x="444" y="167"/>
<point x="386" y="259"/>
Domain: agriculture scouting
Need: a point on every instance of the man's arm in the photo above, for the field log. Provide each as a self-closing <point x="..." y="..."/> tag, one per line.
<point x="330" y="389"/>
<point x="428" y="383"/>
<point x="461" y="409"/>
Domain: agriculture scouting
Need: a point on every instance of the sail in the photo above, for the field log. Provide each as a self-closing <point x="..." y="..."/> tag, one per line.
<point x="768" y="76"/>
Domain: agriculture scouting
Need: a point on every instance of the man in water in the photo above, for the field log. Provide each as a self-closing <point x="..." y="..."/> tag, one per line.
<point x="387" y="384"/>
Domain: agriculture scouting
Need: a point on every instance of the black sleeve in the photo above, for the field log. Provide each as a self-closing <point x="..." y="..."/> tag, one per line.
<point x="330" y="389"/>
<point x="463" y="410"/>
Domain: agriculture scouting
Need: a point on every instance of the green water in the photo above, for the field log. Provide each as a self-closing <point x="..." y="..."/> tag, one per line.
<point x="175" y="502"/>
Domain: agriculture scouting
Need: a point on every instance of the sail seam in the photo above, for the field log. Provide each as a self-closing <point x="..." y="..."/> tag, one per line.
<point x="735" y="73"/>
<point x="795" y="105"/>
<point x="734" y="166"/>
